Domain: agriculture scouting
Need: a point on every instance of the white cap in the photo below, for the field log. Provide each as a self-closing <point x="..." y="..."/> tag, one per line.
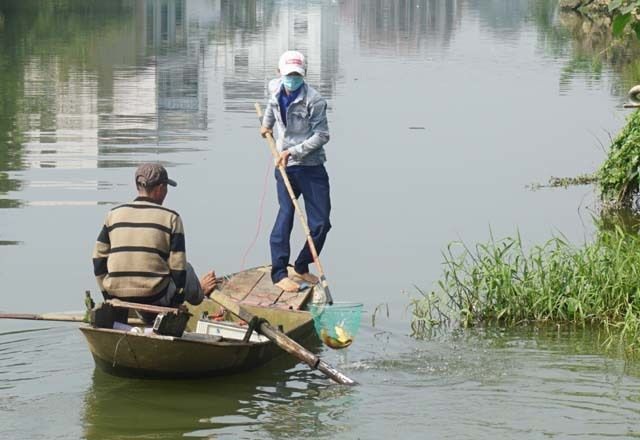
<point x="292" y="61"/>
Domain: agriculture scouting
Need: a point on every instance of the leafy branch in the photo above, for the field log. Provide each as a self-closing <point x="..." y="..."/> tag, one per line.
<point x="625" y="13"/>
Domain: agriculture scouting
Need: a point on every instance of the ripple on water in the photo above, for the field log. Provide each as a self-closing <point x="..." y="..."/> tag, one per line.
<point x="510" y="385"/>
<point x="27" y="356"/>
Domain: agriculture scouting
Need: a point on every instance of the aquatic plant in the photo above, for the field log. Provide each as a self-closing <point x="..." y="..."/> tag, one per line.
<point x="503" y="282"/>
<point x="618" y="175"/>
<point x="617" y="178"/>
<point x="565" y="182"/>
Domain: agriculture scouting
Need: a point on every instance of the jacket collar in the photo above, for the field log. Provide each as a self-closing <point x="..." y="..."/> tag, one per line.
<point x="145" y="199"/>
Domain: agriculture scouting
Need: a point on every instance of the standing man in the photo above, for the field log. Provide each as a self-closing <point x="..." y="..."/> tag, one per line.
<point x="300" y="114"/>
<point x="140" y="253"/>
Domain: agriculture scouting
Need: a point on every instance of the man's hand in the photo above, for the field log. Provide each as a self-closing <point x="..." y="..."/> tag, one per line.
<point x="208" y="282"/>
<point x="264" y="131"/>
<point x="283" y="158"/>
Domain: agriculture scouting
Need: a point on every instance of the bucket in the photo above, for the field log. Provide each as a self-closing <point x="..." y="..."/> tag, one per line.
<point x="336" y="325"/>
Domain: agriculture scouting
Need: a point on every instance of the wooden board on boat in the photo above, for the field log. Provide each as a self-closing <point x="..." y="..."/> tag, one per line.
<point x="254" y="287"/>
<point x="238" y="286"/>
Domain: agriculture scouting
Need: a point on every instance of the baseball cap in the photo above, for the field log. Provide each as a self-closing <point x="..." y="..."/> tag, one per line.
<point x="292" y="61"/>
<point x="152" y="174"/>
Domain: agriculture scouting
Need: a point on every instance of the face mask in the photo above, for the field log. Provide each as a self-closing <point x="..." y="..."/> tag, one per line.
<point x="292" y="82"/>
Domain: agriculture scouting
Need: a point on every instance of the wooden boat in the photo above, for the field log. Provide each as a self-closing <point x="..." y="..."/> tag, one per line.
<point x="127" y="353"/>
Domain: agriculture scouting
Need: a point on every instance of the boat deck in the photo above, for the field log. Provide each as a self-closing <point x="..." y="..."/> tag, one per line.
<point x="254" y="287"/>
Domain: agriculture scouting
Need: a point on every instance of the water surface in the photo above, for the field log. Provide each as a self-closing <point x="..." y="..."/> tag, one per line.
<point x="441" y="113"/>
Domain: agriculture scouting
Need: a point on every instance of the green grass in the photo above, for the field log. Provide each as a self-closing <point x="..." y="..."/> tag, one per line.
<point x="618" y="175"/>
<point x="502" y="282"/>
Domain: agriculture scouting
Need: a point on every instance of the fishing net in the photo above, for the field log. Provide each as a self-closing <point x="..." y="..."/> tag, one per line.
<point x="337" y="324"/>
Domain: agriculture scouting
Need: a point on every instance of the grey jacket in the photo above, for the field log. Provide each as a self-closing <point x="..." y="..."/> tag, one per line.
<point x="307" y="129"/>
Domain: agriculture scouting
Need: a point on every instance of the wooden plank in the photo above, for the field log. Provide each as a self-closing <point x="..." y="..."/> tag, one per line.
<point x="259" y="298"/>
<point x="265" y="293"/>
<point x="294" y="300"/>
<point x="143" y="307"/>
<point x="239" y="286"/>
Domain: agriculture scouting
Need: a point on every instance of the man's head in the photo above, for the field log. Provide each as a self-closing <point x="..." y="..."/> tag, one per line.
<point x="152" y="180"/>
<point x="293" y="67"/>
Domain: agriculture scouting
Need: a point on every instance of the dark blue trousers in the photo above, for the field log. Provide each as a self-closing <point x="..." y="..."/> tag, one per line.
<point x="313" y="183"/>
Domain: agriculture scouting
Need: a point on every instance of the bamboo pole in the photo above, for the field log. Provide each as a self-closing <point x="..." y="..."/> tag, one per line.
<point x="283" y="341"/>
<point x="142" y="307"/>
<point x="62" y="317"/>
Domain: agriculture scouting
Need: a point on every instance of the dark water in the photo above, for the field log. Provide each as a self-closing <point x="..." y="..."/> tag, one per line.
<point x="441" y="112"/>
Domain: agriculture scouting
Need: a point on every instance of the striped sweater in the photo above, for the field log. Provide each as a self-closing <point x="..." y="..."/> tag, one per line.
<point x="139" y="250"/>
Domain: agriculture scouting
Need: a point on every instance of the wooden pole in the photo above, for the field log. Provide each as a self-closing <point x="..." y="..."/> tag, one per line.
<point x="62" y="317"/>
<point x="283" y="341"/>
<point x="312" y="247"/>
<point x="78" y="317"/>
<point x="142" y="307"/>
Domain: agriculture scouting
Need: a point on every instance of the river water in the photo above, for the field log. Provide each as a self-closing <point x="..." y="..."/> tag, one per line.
<point x="442" y="112"/>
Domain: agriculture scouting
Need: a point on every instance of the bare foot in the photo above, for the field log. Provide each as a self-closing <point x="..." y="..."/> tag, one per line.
<point x="208" y="282"/>
<point x="306" y="277"/>
<point x="288" y="285"/>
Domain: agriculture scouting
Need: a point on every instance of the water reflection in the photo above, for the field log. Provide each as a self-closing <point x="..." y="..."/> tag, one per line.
<point x="507" y="18"/>
<point x="625" y="220"/>
<point x="593" y="49"/>
<point x="128" y="78"/>
<point x="132" y="78"/>
<point x="89" y="86"/>
<point x="122" y="73"/>
<point x="266" y="29"/>
<point x="273" y="403"/>
<point x="408" y="27"/>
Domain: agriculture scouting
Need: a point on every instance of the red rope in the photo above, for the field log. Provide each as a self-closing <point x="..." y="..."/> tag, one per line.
<point x="260" y="214"/>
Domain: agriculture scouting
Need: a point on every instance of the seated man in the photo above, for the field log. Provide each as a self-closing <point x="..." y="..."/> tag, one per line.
<point x="140" y="253"/>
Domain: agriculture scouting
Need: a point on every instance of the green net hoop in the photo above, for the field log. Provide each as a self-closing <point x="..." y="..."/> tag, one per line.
<point x="336" y="325"/>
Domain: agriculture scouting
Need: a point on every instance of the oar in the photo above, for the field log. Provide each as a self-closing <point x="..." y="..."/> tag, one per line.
<point x="44" y="317"/>
<point x="64" y="317"/>
<point x="322" y="285"/>
<point x="60" y="317"/>
<point x="282" y="340"/>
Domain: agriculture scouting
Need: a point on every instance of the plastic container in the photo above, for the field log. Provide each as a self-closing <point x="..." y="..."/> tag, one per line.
<point x="227" y="330"/>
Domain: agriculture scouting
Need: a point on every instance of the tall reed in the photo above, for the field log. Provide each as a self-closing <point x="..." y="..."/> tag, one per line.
<point x="501" y="281"/>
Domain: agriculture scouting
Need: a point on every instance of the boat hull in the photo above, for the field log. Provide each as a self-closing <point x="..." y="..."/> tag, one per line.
<point x="136" y="355"/>
<point x="132" y="354"/>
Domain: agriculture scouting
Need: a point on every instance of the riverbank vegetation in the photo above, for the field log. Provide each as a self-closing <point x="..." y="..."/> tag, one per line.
<point x="501" y="282"/>
<point x="596" y="44"/>
<point x="504" y="282"/>
<point x="617" y="179"/>
<point x="626" y="14"/>
<point x="618" y="175"/>
<point x="623" y="15"/>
